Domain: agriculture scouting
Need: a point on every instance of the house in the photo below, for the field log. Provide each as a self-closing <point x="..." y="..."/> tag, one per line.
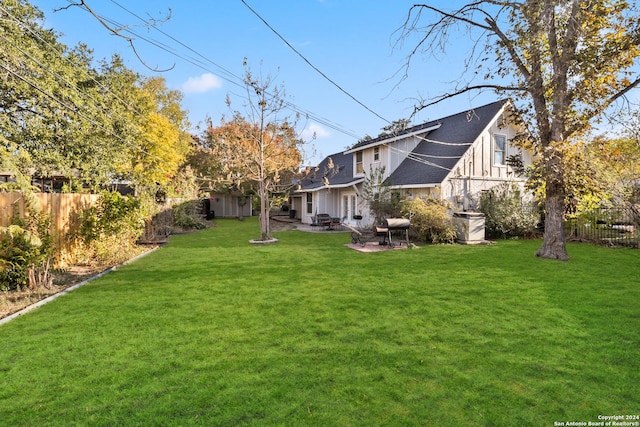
<point x="226" y="205"/>
<point x="453" y="158"/>
<point x="51" y="184"/>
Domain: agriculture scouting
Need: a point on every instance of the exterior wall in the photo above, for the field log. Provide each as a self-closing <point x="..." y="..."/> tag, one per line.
<point x="226" y="206"/>
<point x="464" y="192"/>
<point x="296" y="204"/>
<point x="325" y="201"/>
<point x="478" y="162"/>
<point x="390" y="156"/>
<point x="330" y="201"/>
<point x="399" y="151"/>
<point x="476" y="171"/>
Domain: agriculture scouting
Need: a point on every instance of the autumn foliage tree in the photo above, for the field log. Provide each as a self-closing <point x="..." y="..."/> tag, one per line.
<point x="253" y="154"/>
<point x="64" y="113"/>
<point x="563" y="63"/>
<point x="617" y="165"/>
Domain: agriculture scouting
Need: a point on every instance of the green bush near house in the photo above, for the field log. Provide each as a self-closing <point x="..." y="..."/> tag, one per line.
<point x="431" y="220"/>
<point x="506" y="214"/>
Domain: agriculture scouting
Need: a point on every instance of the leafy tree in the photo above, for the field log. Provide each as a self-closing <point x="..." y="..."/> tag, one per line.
<point x="617" y="162"/>
<point x="254" y="153"/>
<point x="583" y="182"/>
<point x="65" y="117"/>
<point x="147" y="115"/>
<point x="37" y="92"/>
<point x="563" y="62"/>
<point x="395" y="127"/>
<point x="383" y="202"/>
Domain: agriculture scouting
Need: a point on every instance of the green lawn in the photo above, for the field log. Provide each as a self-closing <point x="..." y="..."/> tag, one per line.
<point x="212" y="331"/>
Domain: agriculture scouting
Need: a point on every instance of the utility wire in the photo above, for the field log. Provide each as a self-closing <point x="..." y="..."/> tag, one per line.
<point x="311" y="65"/>
<point x="73" y="107"/>
<point x="417" y="158"/>
<point x="232" y="78"/>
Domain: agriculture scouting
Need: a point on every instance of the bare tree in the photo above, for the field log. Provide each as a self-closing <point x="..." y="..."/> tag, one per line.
<point x="256" y="150"/>
<point x="562" y="62"/>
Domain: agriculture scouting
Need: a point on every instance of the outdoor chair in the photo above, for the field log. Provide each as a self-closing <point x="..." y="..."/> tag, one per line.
<point x="327" y="221"/>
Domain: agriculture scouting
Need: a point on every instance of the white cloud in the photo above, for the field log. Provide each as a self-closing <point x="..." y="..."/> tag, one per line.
<point x="314" y="130"/>
<point x="201" y="84"/>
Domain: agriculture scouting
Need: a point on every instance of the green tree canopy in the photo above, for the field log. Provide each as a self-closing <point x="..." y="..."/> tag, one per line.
<point x="563" y="62"/>
<point x="92" y="121"/>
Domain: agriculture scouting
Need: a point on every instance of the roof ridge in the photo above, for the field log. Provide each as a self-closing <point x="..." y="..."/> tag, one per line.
<point x="426" y="125"/>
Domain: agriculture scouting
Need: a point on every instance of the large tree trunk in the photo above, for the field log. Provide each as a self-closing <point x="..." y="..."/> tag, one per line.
<point x="554" y="246"/>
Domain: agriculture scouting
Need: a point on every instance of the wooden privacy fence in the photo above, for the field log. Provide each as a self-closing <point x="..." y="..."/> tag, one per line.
<point x="60" y="208"/>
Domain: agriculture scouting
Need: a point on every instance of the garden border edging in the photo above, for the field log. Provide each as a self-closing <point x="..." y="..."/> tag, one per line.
<point x="71" y="288"/>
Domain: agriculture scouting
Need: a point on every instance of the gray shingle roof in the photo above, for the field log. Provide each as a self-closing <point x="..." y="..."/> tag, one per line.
<point x="432" y="159"/>
<point x="429" y="162"/>
<point x="341" y="173"/>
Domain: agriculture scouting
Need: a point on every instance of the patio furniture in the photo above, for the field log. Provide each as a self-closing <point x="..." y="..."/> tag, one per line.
<point x="362" y="237"/>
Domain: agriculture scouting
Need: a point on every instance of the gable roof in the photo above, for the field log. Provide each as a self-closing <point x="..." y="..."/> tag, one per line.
<point x="335" y="170"/>
<point x="443" y="143"/>
<point x="440" y="149"/>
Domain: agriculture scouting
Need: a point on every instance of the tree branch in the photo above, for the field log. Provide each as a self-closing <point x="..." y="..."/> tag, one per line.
<point x="466" y="89"/>
<point x="117" y="32"/>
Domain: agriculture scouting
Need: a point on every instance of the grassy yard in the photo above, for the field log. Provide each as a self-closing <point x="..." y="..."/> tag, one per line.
<point x="212" y="331"/>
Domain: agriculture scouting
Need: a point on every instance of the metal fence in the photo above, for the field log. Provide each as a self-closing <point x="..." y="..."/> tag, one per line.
<point x="608" y="226"/>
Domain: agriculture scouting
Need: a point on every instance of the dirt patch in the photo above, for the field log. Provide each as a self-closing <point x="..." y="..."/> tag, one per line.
<point x="14" y="301"/>
<point x="281" y="223"/>
<point x="374" y="247"/>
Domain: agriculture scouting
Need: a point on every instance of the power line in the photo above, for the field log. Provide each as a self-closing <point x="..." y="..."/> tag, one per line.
<point x="238" y="80"/>
<point x="73" y="108"/>
<point x="311" y="65"/>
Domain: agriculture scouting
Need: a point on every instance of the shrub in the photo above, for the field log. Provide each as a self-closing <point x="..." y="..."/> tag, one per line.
<point x="26" y="249"/>
<point x="107" y="232"/>
<point x="16" y="248"/>
<point x="383" y="202"/>
<point x="113" y="215"/>
<point x="185" y="216"/>
<point x="431" y="220"/>
<point x="506" y="214"/>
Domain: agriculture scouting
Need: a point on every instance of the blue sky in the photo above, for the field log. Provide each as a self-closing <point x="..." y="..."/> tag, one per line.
<point x="351" y="42"/>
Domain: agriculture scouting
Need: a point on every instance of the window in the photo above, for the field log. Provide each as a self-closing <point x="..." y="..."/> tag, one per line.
<point x="499" y="150"/>
<point x="309" y="203"/>
<point x="359" y="166"/>
<point x="345" y="207"/>
<point x="348" y="206"/>
<point x="376" y="154"/>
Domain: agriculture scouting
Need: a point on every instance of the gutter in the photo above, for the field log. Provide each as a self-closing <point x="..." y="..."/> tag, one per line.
<point x="324" y="187"/>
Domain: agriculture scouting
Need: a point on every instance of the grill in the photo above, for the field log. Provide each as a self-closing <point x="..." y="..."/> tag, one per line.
<point x="396" y="225"/>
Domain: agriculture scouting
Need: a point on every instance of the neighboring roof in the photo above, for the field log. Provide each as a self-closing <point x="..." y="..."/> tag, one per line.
<point x="437" y="154"/>
<point x="334" y="171"/>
